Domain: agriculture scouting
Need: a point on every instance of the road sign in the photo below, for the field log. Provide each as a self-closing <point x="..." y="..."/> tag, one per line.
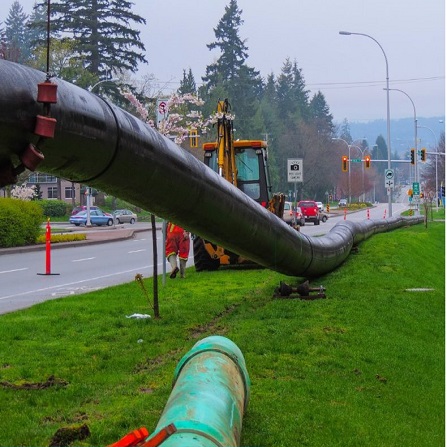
<point x="416" y="189"/>
<point x="356" y="160"/>
<point x="389" y="178"/>
<point x="294" y="170"/>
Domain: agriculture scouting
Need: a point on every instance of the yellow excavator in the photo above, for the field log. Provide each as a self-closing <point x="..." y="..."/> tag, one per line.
<point x="243" y="163"/>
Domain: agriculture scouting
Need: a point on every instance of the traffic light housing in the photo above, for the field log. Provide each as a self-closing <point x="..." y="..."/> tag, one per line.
<point x="367" y="161"/>
<point x="412" y="156"/>
<point x="193" y="138"/>
<point x="344" y="163"/>
<point x="423" y="155"/>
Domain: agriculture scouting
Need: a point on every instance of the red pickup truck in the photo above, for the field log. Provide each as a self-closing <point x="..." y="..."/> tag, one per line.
<point x="310" y="211"/>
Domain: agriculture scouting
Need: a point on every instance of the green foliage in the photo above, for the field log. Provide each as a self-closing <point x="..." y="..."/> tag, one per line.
<point x="365" y="366"/>
<point x="105" y="40"/>
<point x="53" y="208"/>
<point x="19" y="222"/>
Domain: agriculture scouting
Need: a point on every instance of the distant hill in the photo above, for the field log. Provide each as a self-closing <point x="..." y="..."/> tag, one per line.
<point x="401" y="132"/>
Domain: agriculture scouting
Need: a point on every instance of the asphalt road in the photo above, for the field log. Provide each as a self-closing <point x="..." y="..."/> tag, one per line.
<point x="76" y="270"/>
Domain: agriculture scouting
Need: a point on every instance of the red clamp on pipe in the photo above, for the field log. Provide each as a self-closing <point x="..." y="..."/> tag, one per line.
<point x="161" y="436"/>
<point x="47" y="92"/>
<point x="45" y="126"/>
<point x="132" y="439"/>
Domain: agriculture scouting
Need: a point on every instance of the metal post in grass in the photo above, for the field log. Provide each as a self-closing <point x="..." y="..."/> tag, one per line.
<point x="155" y="273"/>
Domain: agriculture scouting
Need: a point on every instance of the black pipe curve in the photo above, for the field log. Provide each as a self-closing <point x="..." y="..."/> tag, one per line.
<point x="119" y="154"/>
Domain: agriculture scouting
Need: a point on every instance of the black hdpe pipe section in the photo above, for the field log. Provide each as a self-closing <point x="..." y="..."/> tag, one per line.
<point x="99" y="144"/>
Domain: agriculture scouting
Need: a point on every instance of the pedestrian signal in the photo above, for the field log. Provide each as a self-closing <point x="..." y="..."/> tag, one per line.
<point x="344" y="163"/>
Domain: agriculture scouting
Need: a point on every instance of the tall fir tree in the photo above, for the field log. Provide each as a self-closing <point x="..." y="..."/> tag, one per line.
<point x="187" y="83"/>
<point x="320" y="114"/>
<point x="17" y="42"/>
<point x="231" y="74"/>
<point x="102" y="29"/>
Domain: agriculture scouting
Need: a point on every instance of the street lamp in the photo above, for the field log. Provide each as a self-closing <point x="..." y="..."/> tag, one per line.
<point x="349" y="164"/>
<point x="436" y="165"/>
<point x="388" y="139"/>
<point x="90" y="89"/>
<point x="416" y="170"/>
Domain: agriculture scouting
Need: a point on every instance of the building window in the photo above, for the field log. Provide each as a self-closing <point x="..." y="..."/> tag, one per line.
<point x="41" y="178"/>
<point x="52" y="192"/>
<point x="69" y="192"/>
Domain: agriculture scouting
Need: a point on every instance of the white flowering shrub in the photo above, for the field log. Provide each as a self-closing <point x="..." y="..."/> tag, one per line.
<point x="23" y="192"/>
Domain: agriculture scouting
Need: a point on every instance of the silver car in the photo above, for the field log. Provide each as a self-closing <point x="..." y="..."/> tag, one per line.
<point x="125" y="216"/>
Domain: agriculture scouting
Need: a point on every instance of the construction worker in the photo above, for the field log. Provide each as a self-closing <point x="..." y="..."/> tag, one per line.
<point x="177" y="244"/>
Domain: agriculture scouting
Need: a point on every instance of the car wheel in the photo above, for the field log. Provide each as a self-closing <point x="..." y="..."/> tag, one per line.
<point x="77" y="225"/>
<point x="110" y="222"/>
<point x="118" y="221"/>
<point x="324" y="219"/>
<point x="132" y="221"/>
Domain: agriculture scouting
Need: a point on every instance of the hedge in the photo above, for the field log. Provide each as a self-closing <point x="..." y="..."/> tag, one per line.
<point x="53" y="208"/>
<point x="20" y="222"/>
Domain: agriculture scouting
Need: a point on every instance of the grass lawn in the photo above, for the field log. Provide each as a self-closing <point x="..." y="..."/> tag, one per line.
<point x="363" y="367"/>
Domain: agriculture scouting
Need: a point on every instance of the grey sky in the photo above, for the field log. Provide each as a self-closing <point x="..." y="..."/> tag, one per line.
<point x="349" y="70"/>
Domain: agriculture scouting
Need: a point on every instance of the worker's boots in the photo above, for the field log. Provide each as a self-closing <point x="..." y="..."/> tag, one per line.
<point x="173" y="261"/>
<point x="182" y="267"/>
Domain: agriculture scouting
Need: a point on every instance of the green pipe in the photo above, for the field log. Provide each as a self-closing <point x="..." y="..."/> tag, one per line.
<point x="210" y="393"/>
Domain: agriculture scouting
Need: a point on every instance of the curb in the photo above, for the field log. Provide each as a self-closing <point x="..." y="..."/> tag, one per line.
<point x="42" y="247"/>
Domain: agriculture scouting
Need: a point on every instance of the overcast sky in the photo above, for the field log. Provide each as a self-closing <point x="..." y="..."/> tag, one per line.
<point x="349" y="70"/>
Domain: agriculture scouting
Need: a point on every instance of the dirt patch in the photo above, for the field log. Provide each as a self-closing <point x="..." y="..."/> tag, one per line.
<point x="212" y="326"/>
<point x="67" y="435"/>
<point x="50" y="382"/>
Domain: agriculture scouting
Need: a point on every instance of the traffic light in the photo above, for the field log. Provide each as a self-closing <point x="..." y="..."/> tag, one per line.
<point x="344" y="163"/>
<point x="412" y="156"/>
<point x="193" y="138"/>
<point x="442" y="191"/>
<point x="367" y="161"/>
<point x="423" y="155"/>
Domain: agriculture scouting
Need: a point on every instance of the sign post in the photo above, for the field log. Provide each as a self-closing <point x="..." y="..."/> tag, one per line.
<point x="294" y="175"/>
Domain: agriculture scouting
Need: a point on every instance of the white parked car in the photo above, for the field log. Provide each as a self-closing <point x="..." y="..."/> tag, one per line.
<point x="320" y="206"/>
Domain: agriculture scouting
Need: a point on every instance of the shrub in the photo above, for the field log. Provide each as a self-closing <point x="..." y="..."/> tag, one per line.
<point x="19" y="222"/>
<point x="55" y="238"/>
<point x="53" y="208"/>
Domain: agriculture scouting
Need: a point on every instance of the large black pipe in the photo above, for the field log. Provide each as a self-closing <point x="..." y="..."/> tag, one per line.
<point x="101" y="145"/>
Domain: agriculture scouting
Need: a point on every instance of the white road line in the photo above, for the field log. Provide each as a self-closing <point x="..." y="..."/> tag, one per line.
<point x="83" y="259"/>
<point x="15" y="270"/>
<point x="74" y="283"/>
<point x="137" y="251"/>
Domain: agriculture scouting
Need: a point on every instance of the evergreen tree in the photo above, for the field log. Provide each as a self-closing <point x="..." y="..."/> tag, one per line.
<point x="18" y="47"/>
<point x="320" y="114"/>
<point x="345" y="131"/>
<point x="231" y="74"/>
<point x="101" y="28"/>
<point x="187" y="84"/>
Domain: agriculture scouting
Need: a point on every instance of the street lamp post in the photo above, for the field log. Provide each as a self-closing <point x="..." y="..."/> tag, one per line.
<point x="90" y="89"/>
<point x="349" y="164"/>
<point x="416" y="169"/>
<point x="388" y="138"/>
<point x="436" y="165"/>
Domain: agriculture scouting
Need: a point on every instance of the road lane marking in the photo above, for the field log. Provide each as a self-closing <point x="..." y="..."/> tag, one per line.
<point x="83" y="259"/>
<point x="160" y="264"/>
<point x="137" y="251"/>
<point x="15" y="270"/>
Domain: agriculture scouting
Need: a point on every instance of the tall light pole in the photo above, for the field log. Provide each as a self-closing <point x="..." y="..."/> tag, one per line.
<point x="349" y="164"/>
<point x="416" y="169"/>
<point x="388" y="139"/>
<point x="436" y="168"/>
<point x="90" y="89"/>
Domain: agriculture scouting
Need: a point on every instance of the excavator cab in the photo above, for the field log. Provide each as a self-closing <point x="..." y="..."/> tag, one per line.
<point x="244" y="164"/>
<point x="252" y="169"/>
